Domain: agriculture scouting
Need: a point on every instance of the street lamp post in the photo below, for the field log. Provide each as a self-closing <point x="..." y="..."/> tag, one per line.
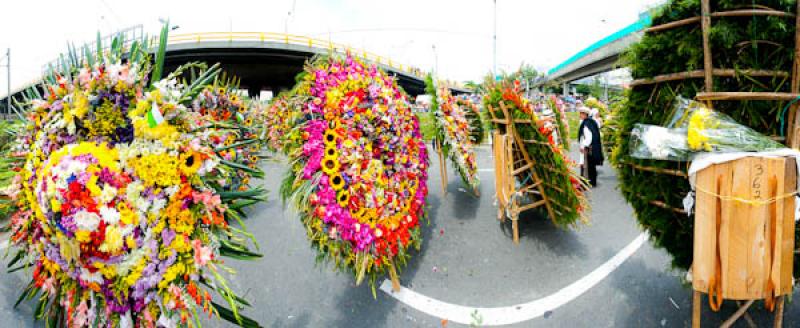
<point x="8" y="81"/>
<point x="435" y="60"/>
<point x="288" y="16"/>
<point x="494" y="44"/>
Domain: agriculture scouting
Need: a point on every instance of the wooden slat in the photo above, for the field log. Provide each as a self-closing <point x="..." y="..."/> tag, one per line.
<point x="735" y="277"/>
<point x="671" y="25"/>
<point x="705" y="231"/>
<point x="787" y="243"/>
<point x="659" y="170"/>
<point x="705" y="23"/>
<point x="531" y="206"/>
<point x="522" y="169"/>
<point x="752" y="12"/>
<point x="696" y="74"/>
<point x="732" y="13"/>
<point x="757" y="233"/>
<point x="767" y="96"/>
<point x="726" y="214"/>
<point x="794" y="119"/>
<point x="666" y="206"/>
<point x="517" y="140"/>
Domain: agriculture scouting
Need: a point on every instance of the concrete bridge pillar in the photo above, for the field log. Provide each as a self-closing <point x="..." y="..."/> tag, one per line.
<point x="565" y="89"/>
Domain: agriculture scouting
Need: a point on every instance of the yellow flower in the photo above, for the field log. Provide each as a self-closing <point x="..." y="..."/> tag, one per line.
<point x="696" y="137"/>
<point x="172" y="272"/>
<point x="158" y="169"/>
<point x="130" y="242"/>
<point x="83" y="236"/>
<point x="343" y="198"/>
<point x="330" y="138"/>
<point x="136" y="273"/>
<point x="330" y="165"/>
<point x="190" y="163"/>
<point x="113" y="241"/>
<point x="108" y="271"/>
<point x="127" y="216"/>
<point x="80" y="105"/>
<point x="337" y="182"/>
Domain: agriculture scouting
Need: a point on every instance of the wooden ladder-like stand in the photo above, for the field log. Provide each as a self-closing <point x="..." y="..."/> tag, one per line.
<point x="709" y="72"/>
<point x="512" y="163"/>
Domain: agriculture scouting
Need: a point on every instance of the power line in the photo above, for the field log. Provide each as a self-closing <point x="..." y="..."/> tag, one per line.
<point x="404" y="29"/>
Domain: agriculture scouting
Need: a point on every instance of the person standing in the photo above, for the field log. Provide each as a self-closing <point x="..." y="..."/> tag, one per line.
<point x="595" y="114"/>
<point x="591" y="150"/>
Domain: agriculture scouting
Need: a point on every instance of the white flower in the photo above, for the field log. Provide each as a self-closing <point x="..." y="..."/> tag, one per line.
<point x="110" y="215"/>
<point x="87" y="221"/>
<point x="125" y="321"/>
<point x="158" y="205"/>
<point x="108" y="194"/>
<point x="89" y="277"/>
<point x="165" y="322"/>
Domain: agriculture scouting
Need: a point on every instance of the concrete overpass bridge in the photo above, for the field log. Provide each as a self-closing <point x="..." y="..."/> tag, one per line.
<point x="263" y="60"/>
<point x="600" y="57"/>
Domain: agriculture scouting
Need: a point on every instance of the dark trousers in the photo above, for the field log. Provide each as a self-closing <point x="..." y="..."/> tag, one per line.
<point x="592" y="168"/>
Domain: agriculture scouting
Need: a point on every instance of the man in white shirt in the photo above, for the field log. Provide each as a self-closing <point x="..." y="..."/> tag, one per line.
<point x="589" y="141"/>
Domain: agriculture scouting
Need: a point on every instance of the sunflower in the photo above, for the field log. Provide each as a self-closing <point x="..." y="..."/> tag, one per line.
<point x="248" y="121"/>
<point x="337" y="182"/>
<point x="234" y="98"/>
<point x="221" y="91"/>
<point x="253" y="158"/>
<point x="358" y="214"/>
<point x="190" y="163"/>
<point x="330" y="152"/>
<point x="229" y="141"/>
<point x="330" y="137"/>
<point x="343" y="198"/>
<point x="330" y="165"/>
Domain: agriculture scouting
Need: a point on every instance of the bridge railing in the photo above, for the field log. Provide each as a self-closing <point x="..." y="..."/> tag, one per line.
<point x="288" y="39"/>
<point x="135" y="33"/>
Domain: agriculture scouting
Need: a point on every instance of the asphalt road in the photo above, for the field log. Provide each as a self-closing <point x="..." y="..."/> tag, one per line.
<point x="467" y="258"/>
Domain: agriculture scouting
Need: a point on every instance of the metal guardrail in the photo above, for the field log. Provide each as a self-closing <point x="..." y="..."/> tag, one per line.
<point x="135" y="33"/>
<point x="293" y="40"/>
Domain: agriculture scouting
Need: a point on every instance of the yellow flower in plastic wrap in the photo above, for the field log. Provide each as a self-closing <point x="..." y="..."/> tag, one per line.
<point x="696" y="137"/>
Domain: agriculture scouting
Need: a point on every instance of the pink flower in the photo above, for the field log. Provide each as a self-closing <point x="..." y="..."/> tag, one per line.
<point x="202" y="254"/>
<point x="81" y="317"/>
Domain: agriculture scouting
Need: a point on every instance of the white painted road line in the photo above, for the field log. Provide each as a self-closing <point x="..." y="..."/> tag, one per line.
<point x="485" y="170"/>
<point x="516" y="313"/>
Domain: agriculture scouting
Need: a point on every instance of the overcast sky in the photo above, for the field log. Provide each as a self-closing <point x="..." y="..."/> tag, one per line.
<point x="540" y="32"/>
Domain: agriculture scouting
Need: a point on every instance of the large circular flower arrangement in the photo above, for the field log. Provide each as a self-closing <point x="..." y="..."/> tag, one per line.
<point x="233" y="125"/>
<point x="562" y="184"/>
<point x="279" y="116"/>
<point x="744" y="44"/>
<point x="120" y="213"/>
<point x="358" y="174"/>
<point x="472" y="112"/>
<point x="453" y="132"/>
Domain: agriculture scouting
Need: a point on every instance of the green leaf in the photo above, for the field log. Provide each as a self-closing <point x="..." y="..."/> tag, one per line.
<point x="99" y="53"/>
<point x="24" y="294"/>
<point x="238" y="254"/>
<point x="160" y="54"/>
<point x="231" y="317"/>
